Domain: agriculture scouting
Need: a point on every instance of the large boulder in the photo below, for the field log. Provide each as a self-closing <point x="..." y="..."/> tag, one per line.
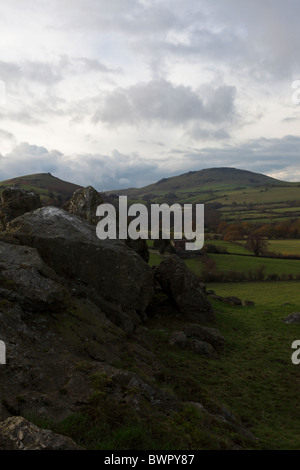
<point x="70" y="246"/>
<point x="15" y="202"/>
<point x="180" y="284"/>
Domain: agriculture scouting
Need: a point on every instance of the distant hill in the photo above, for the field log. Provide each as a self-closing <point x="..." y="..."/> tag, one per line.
<point x="204" y="180"/>
<point x="45" y="184"/>
<point x="236" y="194"/>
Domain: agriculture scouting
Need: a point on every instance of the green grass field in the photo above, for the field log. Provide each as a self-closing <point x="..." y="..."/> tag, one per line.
<point x="244" y="263"/>
<point x="266" y="294"/>
<point x="239" y="263"/>
<point x="289" y="247"/>
<point x="230" y="247"/>
<point x="254" y="378"/>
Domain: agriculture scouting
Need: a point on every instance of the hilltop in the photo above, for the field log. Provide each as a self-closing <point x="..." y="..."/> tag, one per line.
<point x="44" y="184"/>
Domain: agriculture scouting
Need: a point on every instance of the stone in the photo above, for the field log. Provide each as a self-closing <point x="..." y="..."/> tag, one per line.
<point x="27" y="276"/>
<point x="232" y="300"/>
<point x="180" y="284"/>
<point x="19" y="434"/>
<point x="292" y="318"/>
<point x="203" y="348"/>
<point x="15" y="202"/>
<point x="84" y="203"/>
<point x="178" y="338"/>
<point x="209" y="335"/>
<point x="118" y="278"/>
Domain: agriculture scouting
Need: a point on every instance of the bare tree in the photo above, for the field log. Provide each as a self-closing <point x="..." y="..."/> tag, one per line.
<point x="256" y="243"/>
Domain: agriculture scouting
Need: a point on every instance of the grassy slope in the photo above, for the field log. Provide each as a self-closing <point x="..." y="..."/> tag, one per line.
<point x="255" y="378"/>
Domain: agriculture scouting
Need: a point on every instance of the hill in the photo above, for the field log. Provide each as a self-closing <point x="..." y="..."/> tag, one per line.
<point x="43" y="184"/>
<point x="206" y="180"/>
<point x="236" y="194"/>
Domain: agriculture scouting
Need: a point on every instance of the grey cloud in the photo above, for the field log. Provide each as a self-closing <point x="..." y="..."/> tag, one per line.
<point x="28" y="159"/>
<point x="118" y="170"/>
<point x="262" y="155"/>
<point x="6" y="135"/>
<point x="160" y="100"/>
<point x="40" y="72"/>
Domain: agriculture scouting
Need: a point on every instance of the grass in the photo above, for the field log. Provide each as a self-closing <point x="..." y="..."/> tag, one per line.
<point x="230" y="247"/>
<point x="254" y="378"/>
<point x="244" y="263"/>
<point x="231" y="262"/>
<point x="289" y="247"/>
<point x="266" y="294"/>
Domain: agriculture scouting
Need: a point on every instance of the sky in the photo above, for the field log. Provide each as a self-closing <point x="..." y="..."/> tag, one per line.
<point x="123" y="93"/>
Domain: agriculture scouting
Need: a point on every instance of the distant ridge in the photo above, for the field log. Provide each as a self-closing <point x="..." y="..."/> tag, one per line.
<point x="208" y="179"/>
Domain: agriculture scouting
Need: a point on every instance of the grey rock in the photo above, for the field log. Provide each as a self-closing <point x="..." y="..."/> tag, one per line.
<point x="203" y="348"/>
<point x="180" y="284"/>
<point x="209" y="335"/>
<point x="15" y="202"/>
<point x="70" y="246"/>
<point x="293" y="318"/>
<point x="84" y="203"/>
<point x="30" y="281"/>
<point x="19" y="434"/>
<point x="178" y="338"/>
<point x="232" y="300"/>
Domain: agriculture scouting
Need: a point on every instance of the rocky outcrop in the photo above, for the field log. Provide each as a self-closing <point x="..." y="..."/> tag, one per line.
<point x="71" y="313"/>
<point x="183" y="289"/>
<point x="15" y="202"/>
<point x="28" y="280"/>
<point x="17" y="433"/>
<point x="115" y="276"/>
<point x="84" y="203"/>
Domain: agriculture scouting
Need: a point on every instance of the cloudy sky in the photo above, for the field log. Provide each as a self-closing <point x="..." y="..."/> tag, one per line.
<point x="122" y="93"/>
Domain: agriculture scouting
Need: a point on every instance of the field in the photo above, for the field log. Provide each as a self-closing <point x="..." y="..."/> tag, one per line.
<point x="239" y="263"/>
<point x="255" y="378"/>
<point x="283" y="247"/>
<point x="259" y="383"/>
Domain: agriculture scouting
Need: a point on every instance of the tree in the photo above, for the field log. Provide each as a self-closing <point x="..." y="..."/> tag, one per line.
<point x="256" y="243"/>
